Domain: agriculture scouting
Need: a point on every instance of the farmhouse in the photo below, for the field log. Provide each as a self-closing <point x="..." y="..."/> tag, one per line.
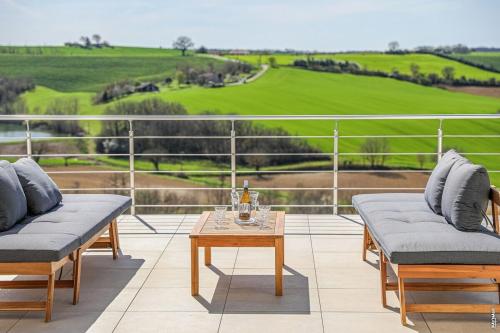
<point x="147" y="87"/>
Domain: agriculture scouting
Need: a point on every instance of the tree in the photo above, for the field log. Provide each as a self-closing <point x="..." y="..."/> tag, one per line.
<point x="156" y="156"/>
<point x="202" y="49"/>
<point x="85" y="41"/>
<point x="393" y="46"/>
<point x="374" y="150"/>
<point x="415" y="70"/>
<point x="180" y="77"/>
<point x="448" y="73"/>
<point x="183" y="43"/>
<point x="97" y="39"/>
<point x="272" y="62"/>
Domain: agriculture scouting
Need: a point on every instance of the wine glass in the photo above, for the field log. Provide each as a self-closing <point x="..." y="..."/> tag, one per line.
<point x="263" y="214"/>
<point x="220" y="215"/>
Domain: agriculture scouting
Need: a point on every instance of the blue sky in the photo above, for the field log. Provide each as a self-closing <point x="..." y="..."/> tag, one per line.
<point x="308" y="24"/>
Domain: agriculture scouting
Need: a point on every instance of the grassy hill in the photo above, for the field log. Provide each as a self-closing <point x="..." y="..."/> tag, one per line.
<point x="294" y="91"/>
<point x="386" y="62"/>
<point x="483" y="58"/>
<point x="76" y="70"/>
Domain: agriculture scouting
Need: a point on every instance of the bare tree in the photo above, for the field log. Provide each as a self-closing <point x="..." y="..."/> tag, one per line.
<point x="183" y="43"/>
<point x="375" y="150"/>
<point x="39" y="148"/>
<point x="393" y="46"/>
<point x="97" y="39"/>
<point x="415" y="70"/>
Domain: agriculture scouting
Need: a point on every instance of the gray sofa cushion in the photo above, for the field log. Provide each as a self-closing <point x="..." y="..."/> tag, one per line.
<point x="53" y="235"/>
<point x="435" y="185"/>
<point x="41" y="192"/>
<point x="409" y="232"/>
<point x="465" y="196"/>
<point x="12" y="199"/>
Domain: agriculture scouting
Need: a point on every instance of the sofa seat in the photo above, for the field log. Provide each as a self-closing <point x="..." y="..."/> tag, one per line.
<point x="409" y="232"/>
<point x="53" y="235"/>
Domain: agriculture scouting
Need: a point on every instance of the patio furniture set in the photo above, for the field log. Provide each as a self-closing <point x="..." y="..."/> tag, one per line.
<point x="435" y="235"/>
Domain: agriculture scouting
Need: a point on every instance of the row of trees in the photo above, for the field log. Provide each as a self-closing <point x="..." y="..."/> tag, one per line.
<point x="196" y="146"/>
<point x="95" y="41"/>
<point x="10" y="89"/>
<point x="212" y="75"/>
<point x="394" y="48"/>
<point x="447" y="76"/>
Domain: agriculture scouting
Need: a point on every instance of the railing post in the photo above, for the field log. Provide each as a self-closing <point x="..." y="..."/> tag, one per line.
<point x="233" y="157"/>
<point x="440" y="140"/>
<point x="28" y="140"/>
<point x="335" y="169"/>
<point x="131" y="165"/>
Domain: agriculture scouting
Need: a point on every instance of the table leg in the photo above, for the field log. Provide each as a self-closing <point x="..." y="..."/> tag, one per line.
<point x="208" y="256"/>
<point x="279" y="257"/>
<point x="195" y="277"/>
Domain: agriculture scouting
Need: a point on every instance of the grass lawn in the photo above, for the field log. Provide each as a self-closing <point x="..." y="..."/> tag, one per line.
<point x="483" y="58"/>
<point x="78" y="70"/>
<point x="386" y="62"/>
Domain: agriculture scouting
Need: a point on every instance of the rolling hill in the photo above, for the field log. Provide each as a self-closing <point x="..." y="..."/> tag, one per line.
<point x="482" y="58"/>
<point x="385" y="62"/>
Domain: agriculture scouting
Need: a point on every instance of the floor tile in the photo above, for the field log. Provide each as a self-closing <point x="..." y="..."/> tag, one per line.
<point x="356" y="300"/>
<point x="459" y="323"/>
<point x="221" y="258"/>
<point x="264" y="278"/>
<point x="178" y="322"/>
<point x="94" y="299"/>
<point x="264" y="300"/>
<point x="210" y="277"/>
<point x="372" y="323"/>
<point x="287" y="323"/>
<point x="179" y="299"/>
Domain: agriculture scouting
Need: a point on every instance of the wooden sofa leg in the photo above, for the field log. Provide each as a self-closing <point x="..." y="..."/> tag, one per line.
<point x="77" y="272"/>
<point x="365" y="242"/>
<point x="113" y="236"/>
<point x="383" y="278"/>
<point x="402" y="300"/>
<point x="50" y="297"/>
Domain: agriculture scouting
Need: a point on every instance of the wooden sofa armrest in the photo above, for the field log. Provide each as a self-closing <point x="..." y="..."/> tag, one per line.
<point x="495" y="202"/>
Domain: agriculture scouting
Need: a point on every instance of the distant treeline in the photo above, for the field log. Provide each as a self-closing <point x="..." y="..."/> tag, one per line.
<point x="10" y="89"/>
<point x="447" y="76"/>
<point x="209" y="128"/>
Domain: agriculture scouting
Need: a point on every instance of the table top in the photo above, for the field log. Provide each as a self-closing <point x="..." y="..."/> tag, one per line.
<point x="206" y="226"/>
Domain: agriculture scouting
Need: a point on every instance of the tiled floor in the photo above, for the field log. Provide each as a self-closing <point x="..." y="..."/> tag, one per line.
<point x="328" y="288"/>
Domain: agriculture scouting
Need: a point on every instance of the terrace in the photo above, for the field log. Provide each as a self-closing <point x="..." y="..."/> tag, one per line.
<point x="327" y="287"/>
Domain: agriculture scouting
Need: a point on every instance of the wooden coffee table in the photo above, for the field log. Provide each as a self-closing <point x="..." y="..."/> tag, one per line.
<point x="205" y="234"/>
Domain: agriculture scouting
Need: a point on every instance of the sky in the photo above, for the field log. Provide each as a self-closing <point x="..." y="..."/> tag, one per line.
<point x="335" y="25"/>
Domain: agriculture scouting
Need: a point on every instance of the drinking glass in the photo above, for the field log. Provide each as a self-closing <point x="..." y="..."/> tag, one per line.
<point x="220" y="215"/>
<point x="263" y="214"/>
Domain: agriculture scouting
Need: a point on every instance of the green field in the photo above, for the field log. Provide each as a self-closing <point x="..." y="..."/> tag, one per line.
<point x="295" y="91"/>
<point x="385" y="62"/>
<point x="80" y="70"/>
<point x="483" y="58"/>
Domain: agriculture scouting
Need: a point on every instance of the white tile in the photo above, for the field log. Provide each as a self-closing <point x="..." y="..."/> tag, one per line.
<point x="360" y="322"/>
<point x="262" y="322"/>
<point x="178" y="322"/>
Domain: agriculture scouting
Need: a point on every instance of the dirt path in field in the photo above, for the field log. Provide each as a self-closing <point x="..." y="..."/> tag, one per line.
<point x="479" y="91"/>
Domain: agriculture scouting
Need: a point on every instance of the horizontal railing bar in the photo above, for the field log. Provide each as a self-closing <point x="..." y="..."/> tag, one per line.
<point x="78" y="137"/>
<point x="179" y="137"/>
<point x="388" y="136"/>
<point x="380" y="188"/>
<point x="197" y="205"/>
<point x="13" y="155"/>
<point x="284" y="136"/>
<point x="85" y="172"/>
<point x="471" y="136"/>
<point x="284" y="154"/>
<point x="183" y="171"/>
<point x="229" y="188"/>
<point x="283" y="171"/>
<point x="97" y="189"/>
<point x="21" y="117"/>
<point x="168" y="154"/>
<point x="384" y="171"/>
<point x="77" y="155"/>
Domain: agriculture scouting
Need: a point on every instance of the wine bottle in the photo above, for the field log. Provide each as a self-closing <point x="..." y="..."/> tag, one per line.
<point x="245" y="203"/>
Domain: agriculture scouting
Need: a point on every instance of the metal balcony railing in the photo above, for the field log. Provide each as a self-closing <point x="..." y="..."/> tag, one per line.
<point x="233" y="138"/>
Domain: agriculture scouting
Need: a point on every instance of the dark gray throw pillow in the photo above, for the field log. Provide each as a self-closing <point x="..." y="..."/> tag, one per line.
<point x="42" y="194"/>
<point x="465" y="196"/>
<point x="435" y="185"/>
<point x="12" y="199"/>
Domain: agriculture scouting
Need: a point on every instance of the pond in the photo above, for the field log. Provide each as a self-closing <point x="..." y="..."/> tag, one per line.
<point x="17" y="135"/>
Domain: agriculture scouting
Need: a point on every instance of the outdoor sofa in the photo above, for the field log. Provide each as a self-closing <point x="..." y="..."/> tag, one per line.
<point x="441" y="234"/>
<point x="41" y="230"/>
